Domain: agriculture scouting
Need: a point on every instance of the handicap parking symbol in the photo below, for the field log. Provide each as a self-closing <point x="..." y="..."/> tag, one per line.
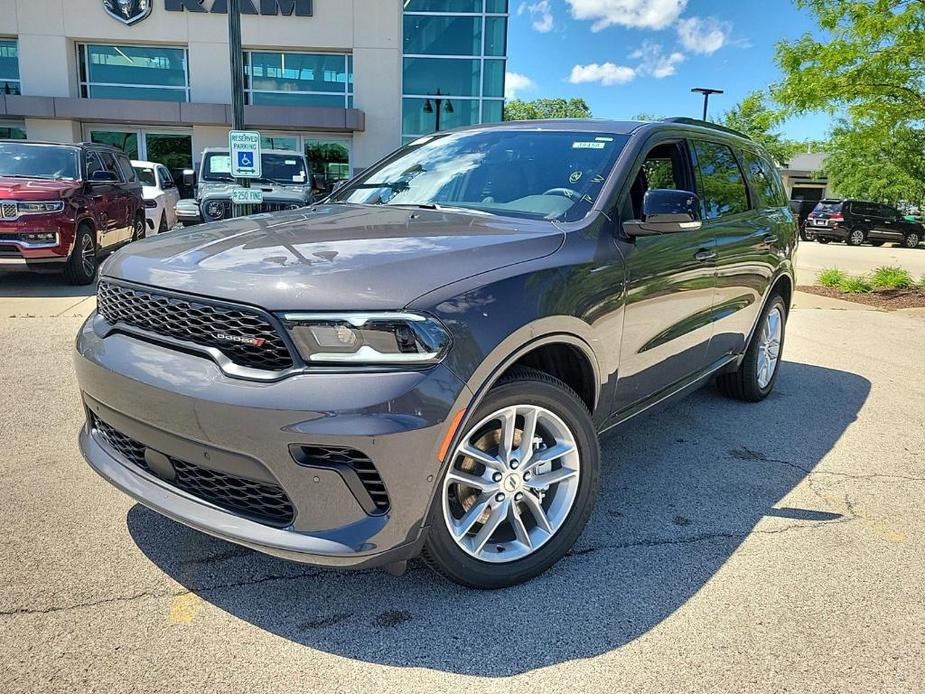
<point x="245" y="160"/>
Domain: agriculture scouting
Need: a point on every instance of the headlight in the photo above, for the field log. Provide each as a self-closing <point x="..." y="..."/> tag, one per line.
<point x="367" y="338"/>
<point x="41" y="207"/>
<point x="215" y="209"/>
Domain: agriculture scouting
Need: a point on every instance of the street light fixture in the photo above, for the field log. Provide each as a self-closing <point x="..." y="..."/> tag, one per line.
<point x="706" y="97"/>
<point x="437" y="107"/>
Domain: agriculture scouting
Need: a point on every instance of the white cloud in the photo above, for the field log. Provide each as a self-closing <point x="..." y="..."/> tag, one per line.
<point x="703" y="35"/>
<point x="607" y="74"/>
<point x="541" y="14"/>
<point x="515" y="82"/>
<point x="635" y="14"/>
<point x="656" y="63"/>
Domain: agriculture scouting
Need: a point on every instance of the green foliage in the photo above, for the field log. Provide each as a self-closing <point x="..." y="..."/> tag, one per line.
<point x="647" y="116"/>
<point x="539" y="109"/>
<point x="856" y="285"/>
<point x="874" y="163"/>
<point x="891" y="277"/>
<point x="754" y="117"/>
<point x="831" y="277"/>
<point x="866" y="64"/>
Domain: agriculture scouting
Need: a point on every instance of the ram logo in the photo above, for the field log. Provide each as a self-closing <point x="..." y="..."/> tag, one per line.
<point x="129" y="11"/>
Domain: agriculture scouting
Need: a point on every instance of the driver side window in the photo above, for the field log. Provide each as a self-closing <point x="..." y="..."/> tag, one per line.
<point x="665" y="167"/>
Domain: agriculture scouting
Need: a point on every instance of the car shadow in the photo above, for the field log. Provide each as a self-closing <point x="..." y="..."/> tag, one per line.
<point x="681" y="490"/>
<point x="40" y="285"/>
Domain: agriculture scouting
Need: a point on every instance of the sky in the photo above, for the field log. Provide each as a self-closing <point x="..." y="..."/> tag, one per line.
<point x="626" y="57"/>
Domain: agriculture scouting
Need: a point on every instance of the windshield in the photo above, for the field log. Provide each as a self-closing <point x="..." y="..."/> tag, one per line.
<point x="39" y="161"/>
<point x="539" y="174"/>
<point x="828" y="207"/>
<point x="146" y="176"/>
<point x="277" y="168"/>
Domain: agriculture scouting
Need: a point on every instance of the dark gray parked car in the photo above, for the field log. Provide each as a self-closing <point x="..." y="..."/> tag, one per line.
<point x="423" y="363"/>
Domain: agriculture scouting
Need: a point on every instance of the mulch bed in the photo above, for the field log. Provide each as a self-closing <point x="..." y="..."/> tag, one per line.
<point x="889" y="299"/>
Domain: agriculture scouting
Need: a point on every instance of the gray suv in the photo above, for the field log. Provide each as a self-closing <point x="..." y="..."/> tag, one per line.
<point x="287" y="184"/>
<point x="422" y="364"/>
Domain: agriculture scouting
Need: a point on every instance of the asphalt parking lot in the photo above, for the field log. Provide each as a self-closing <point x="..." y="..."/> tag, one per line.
<point x="813" y="257"/>
<point x="772" y="547"/>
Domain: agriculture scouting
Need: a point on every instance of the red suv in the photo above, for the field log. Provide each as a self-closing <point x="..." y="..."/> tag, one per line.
<point x="61" y="206"/>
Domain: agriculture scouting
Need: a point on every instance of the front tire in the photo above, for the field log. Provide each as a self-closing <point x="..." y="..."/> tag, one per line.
<point x="82" y="264"/>
<point x="754" y="380"/>
<point x="519" y="487"/>
<point x="139" y="228"/>
<point x="911" y="240"/>
<point x="163" y="225"/>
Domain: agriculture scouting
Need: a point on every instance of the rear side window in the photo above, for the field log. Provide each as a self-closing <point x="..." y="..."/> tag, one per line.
<point x="765" y="181"/>
<point x="864" y="208"/>
<point x="722" y="185"/>
<point x="888" y="212"/>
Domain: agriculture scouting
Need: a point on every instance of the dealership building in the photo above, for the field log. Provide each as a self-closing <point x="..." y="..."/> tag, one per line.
<point x="346" y="81"/>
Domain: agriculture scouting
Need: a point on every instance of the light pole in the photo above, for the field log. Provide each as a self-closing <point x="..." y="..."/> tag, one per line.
<point x="237" y="80"/>
<point x="706" y="97"/>
<point x="437" y="107"/>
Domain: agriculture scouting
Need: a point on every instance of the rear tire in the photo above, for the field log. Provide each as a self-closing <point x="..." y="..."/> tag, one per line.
<point x="513" y="527"/>
<point x="911" y="240"/>
<point x="855" y="237"/>
<point x="82" y="264"/>
<point x="750" y="382"/>
<point x="163" y="225"/>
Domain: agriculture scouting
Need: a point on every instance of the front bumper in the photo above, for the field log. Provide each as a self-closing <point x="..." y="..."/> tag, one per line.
<point x="182" y="406"/>
<point x="17" y="250"/>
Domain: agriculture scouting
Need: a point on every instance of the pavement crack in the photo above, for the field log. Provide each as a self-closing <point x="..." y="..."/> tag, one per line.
<point x="198" y="590"/>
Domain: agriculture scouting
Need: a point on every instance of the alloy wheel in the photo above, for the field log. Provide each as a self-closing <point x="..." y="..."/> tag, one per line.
<point x="512" y="482"/>
<point x="87" y="255"/>
<point x="912" y="240"/>
<point x="769" y="347"/>
<point x="857" y="237"/>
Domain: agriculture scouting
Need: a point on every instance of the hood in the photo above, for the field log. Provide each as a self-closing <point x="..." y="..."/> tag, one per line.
<point x="275" y="190"/>
<point x="332" y="257"/>
<point x="34" y="188"/>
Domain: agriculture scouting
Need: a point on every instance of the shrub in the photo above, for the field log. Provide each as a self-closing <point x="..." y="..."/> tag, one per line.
<point x="891" y="277"/>
<point x="831" y="277"/>
<point x="856" y="285"/>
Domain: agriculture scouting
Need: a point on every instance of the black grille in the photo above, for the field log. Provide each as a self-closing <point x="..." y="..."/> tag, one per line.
<point x="8" y="250"/>
<point x="244" y="336"/>
<point x="259" y="501"/>
<point x="330" y="456"/>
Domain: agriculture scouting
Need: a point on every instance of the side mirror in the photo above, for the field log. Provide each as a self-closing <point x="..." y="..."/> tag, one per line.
<point x="666" y="211"/>
<point x="189" y="178"/>
<point x="103" y="177"/>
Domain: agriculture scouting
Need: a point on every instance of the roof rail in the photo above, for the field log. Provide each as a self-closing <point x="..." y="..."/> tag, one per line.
<point x="705" y="124"/>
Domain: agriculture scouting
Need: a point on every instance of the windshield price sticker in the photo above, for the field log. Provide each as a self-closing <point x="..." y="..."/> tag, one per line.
<point x="588" y="145"/>
<point x="247" y="196"/>
<point x="245" y="153"/>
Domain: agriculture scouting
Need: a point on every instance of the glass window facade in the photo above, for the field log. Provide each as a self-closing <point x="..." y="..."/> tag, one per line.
<point x="456" y="49"/>
<point x="9" y="67"/>
<point x="12" y="130"/>
<point x="154" y="73"/>
<point x="299" y="79"/>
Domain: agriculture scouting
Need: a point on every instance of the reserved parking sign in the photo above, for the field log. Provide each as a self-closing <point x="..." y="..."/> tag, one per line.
<point x="245" y="154"/>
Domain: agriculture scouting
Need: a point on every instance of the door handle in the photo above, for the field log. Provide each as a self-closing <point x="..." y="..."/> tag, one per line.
<point x="703" y="255"/>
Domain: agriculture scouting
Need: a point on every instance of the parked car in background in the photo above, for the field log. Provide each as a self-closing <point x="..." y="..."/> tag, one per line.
<point x="287" y="184"/>
<point x="160" y="193"/>
<point x="801" y="210"/>
<point x="859" y="221"/>
<point x="63" y="205"/>
<point x="423" y="362"/>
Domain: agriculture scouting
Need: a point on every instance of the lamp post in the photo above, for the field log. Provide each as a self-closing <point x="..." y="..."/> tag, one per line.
<point x="237" y="79"/>
<point x="706" y="97"/>
<point x="437" y="107"/>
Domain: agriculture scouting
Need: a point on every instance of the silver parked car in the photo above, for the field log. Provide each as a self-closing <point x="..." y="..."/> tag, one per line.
<point x="287" y="184"/>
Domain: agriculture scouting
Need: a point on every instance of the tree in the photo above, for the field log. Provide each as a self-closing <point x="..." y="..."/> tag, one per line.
<point x="871" y="64"/>
<point x="870" y="69"/>
<point x="753" y="117"/>
<point x="539" y="109"/>
<point x="872" y="163"/>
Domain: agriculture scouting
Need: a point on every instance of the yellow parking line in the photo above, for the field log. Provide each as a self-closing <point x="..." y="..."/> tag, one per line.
<point x="184" y="608"/>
